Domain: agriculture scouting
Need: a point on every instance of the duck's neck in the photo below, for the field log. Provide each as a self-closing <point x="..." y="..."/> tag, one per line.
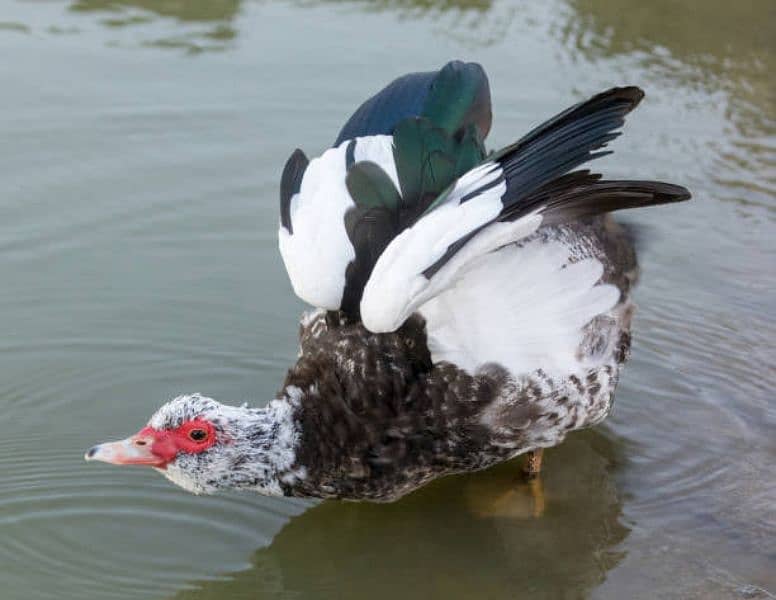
<point x="270" y="453"/>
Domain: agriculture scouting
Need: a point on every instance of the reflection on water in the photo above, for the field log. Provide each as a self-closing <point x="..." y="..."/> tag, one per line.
<point x="216" y="15"/>
<point x="471" y="536"/>
<point x="416" y="8"/>
<point x="726" y="50"/>
<point x="718" y="44"/>
<point x="468" y="21"/>
<point x="187" y="10"/>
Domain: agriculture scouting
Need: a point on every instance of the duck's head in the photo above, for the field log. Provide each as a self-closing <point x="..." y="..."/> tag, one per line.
<point x="204" y="446"/>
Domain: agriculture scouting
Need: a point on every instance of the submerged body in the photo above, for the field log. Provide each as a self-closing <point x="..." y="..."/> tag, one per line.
<point x="470" y="306"/>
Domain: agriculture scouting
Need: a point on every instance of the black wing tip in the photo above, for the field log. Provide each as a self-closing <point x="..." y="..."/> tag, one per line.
<point x="672" y="192"/>
<point x="290" y="182"/>
<point x="608" y="196"/>
<point x="661" y="191"/>
<point x="630" y="96"/>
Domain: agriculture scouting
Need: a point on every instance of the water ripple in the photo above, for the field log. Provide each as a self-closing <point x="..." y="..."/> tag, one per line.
<point x="47" y="494"/>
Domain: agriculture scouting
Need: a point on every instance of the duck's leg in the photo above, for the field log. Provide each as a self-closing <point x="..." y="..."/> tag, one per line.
<point x="531" y="471"/>
<point x="533" y="464"/>
<point x="536" y="489"/>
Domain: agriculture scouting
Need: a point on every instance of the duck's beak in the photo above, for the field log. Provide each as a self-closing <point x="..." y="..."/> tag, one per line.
<point x="135" y="450"/>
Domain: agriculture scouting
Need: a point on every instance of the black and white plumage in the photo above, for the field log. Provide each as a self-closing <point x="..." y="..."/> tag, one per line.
<point x="470" y="306"/>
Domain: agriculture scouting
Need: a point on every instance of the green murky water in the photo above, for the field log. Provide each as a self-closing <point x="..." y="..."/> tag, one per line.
<point x="140" y="148"/>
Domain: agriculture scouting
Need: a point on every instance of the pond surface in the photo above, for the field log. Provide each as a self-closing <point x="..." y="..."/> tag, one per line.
<point x="141" y="143"/>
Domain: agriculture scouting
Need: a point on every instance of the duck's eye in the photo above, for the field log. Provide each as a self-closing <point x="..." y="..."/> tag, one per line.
<point x="197" y="434"/>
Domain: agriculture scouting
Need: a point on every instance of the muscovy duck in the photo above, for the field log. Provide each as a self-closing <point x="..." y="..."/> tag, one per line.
<point x="470" y="307"/>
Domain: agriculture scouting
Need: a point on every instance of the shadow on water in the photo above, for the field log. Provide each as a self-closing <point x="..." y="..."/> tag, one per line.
<point x="347" y="550"/>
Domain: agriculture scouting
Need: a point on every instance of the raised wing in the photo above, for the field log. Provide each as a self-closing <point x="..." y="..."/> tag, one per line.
<point x="341" y="210"/>
<point x="507" y="198"/>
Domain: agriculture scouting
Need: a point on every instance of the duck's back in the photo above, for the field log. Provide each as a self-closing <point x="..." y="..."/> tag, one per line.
<point x="383" y="415"/>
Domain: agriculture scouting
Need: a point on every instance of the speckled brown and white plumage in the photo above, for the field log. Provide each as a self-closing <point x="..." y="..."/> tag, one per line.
<point x="378" y="418"/>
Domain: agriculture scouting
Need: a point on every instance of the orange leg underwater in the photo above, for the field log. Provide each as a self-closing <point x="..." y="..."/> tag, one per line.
<point x="533" y="464"/>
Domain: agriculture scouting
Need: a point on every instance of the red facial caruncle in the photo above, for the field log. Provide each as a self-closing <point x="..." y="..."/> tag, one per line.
<point x="157" y="448"/>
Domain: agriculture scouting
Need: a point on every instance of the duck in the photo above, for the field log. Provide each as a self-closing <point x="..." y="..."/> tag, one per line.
<point x="468" y="306"/>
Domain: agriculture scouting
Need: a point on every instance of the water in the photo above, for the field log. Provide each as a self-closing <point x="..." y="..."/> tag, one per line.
<point x="141" y="143"/>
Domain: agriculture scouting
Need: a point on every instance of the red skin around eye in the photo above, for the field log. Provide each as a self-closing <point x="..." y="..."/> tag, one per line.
<point x="168" y="442"/>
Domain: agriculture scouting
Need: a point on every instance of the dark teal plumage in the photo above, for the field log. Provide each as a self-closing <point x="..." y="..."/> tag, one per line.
<point x="425" y="159"/>
<point x="459" y="98"/>
<point x="440" y="134"/>
<point x="452" y="97"/>
<point x="404" y="97"/>
<point x="371" y="187"/>
<point x="428" y="160"/>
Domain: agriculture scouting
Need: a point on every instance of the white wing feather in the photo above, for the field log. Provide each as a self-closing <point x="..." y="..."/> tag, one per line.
<point x="523" y="307"/>
<point x="397" y="286"/>
<point x="319" y="251"/>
